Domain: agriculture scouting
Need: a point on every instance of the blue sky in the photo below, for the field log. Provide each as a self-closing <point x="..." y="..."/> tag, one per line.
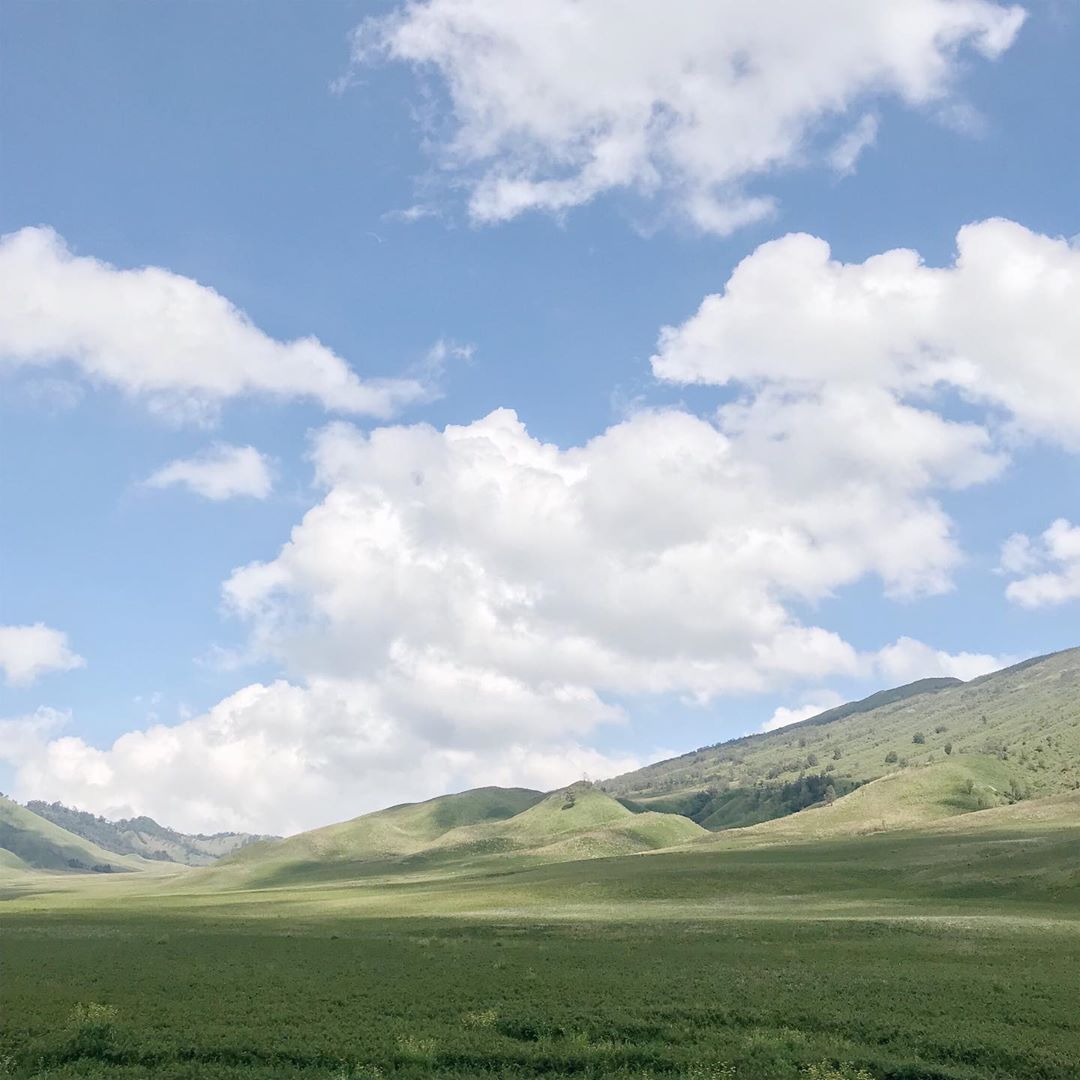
<point x="253" y="150"/>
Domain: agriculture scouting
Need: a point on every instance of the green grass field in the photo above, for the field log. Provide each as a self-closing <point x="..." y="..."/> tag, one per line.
<point x="753" y="998"/>
<point x="946" y="951"/>
<point x="923" y="926"/>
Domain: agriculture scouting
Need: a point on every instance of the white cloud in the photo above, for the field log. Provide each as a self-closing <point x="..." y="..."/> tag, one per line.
<point x="21" y="737"/>
<point x="1056" y="554"/>
<point x="845" y="154"/>
<point x="221" y="472"/>
<point x="463" y="605"/>
<point x="1000" y="327"/>
<point x="658" y="557"/>
<point x="27" y="652"/>
<point x="163" y="338"/>
<point x="282" y="758"/>
<point x="557" y="101"/>
<point x="904" y="661"/>
<point x="907" y="660"/>
<point x="783" y="715"/>
<point x="468" y="602"/>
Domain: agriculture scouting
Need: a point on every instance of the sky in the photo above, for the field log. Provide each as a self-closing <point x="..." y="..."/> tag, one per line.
<point x="397" y="398"/>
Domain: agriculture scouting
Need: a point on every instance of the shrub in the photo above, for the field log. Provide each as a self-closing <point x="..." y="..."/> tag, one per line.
<point x="940" y="729"/>
<point x="482" y="1018"/>
<point x="918" y="738"/>
<point x="825" y="1071"/>
<point x="92" y="1026"/>
<point x="948" y="748"/>
<point x="891" y="758"/>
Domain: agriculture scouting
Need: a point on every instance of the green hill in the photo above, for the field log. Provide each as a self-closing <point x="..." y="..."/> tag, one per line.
<point x="1026" y="719"/>
<point x="385" y="834"/>
<point x="486" y="828"/>
<point x="29" y="842"/>
<point x="144" y="836"/>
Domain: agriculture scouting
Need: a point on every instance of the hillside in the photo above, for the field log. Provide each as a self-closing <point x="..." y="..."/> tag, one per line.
<point x="30" y="842"/>
<point x="1025" y="718"/>
<point x="398" y="830"/>
<point x="486" y="828"/>
<point x="144" y="836"/>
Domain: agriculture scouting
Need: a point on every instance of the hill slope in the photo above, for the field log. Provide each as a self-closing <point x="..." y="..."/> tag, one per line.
<point x="398" y="830"/>
<point x="29" y="842"/>
<point x="1026" y="717"/>
<point x="488" y="828"/>
<point x="144" y="836"/>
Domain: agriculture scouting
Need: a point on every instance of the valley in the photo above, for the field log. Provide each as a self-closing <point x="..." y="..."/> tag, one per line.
<point x="924" y="924"/>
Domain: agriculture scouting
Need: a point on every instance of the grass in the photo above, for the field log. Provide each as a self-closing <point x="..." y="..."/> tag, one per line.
<point x="943" y="952"/>
<point x="29" y="841"/>
<point x="1026" y="717"/>
<point x="925" y="926"/>
<point x="439" y="838"/>
<point x="102" y="995"/>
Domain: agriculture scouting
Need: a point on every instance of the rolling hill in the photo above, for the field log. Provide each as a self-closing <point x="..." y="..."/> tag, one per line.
<point x="144" y="836"/>
<point x="1022" y="723"/>
<point x="918" y="757"/>
<point x="483" y="829"/>
<point x="30" y="842"/>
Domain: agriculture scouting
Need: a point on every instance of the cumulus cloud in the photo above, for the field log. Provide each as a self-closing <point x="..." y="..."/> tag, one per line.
<point x="21" y="737"/>
<point x="467" y="603"/>
<point x="27" y="652"/>
<point x="280" y="758"/>
<point x="470" y="602"/>
<point x="907" y="660"/>
<point x="162" y="338"/>
<point x="1000" y="327"/>
<point x="1055" y="555"/>
<point x="555" y="102"/>
<point x="847" y="151"/>
<point x="785" y="715"/>
<point x="661" y="556"/>
<point x="904" y="661"/>
<point x="221" y="472"/>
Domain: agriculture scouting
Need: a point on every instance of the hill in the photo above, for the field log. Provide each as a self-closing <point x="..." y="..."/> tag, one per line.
<point x="30" y="842"/>
<point x="144" y="836"/>
<point x="1026" y="718"/>
<point x="486" y="828"/>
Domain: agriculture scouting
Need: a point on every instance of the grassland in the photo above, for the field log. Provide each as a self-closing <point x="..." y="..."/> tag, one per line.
<point x="924" y="926"/>
<point x="1027" y="717"/>
<point x="29" y="841"/>
<point x="942" y="951"/>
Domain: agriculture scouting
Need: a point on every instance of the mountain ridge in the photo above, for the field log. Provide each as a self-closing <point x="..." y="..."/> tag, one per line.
<point x="1027" y="714"/>
<point x="143" y="836"/>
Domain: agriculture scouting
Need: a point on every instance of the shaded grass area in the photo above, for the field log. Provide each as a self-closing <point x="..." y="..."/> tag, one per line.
<point x="926" y="955"/>
<point x="419" y="998"/>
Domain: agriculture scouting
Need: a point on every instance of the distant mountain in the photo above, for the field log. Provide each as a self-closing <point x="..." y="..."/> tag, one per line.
<point x="489" y="829"/>
<point x="1025" y="719"/>
<point x="144" y="836"/>
<point x="30" y="842"/>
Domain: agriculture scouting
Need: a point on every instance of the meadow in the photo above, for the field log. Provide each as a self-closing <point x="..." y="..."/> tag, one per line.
<point x="926" y="956"/>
